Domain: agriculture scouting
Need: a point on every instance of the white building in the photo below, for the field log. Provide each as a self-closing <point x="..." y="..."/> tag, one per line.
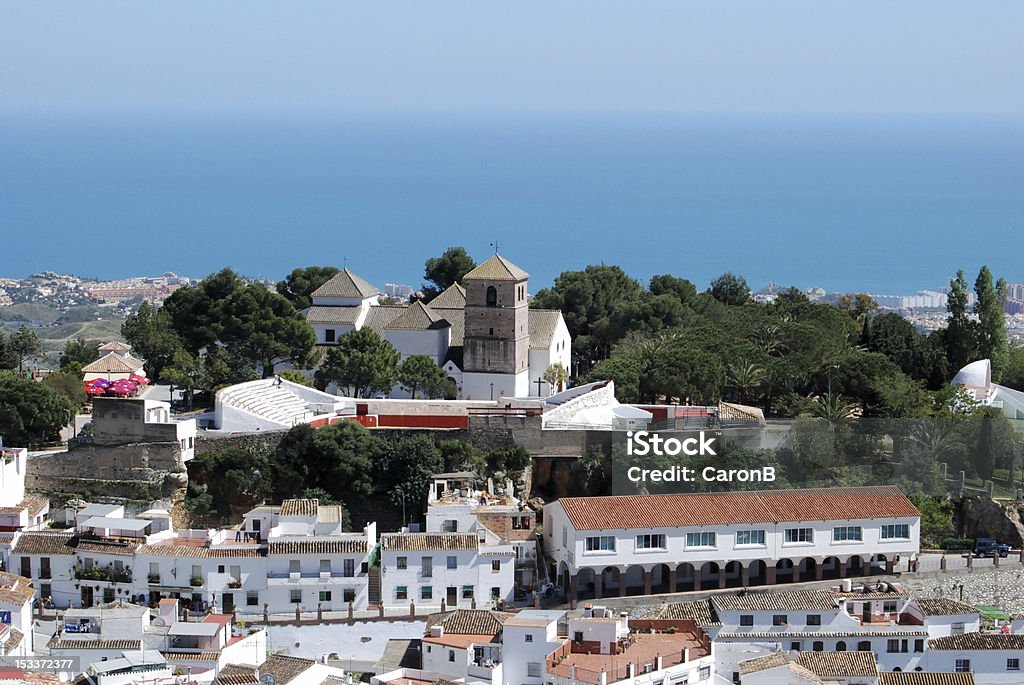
<point x="943" y="616"/>
<point x="456" y="504"/>
<point x="670" y="543"/>
<point x="18" y="511"/>
<point x="16" y="600"/>
<point x="976" y="378"/>
<point x="444" y="570"/>
<point x="465" y="644"/>
<point x="481" y="332"/>
<point x="118" y="421"/>
<point x="992" y="658"/>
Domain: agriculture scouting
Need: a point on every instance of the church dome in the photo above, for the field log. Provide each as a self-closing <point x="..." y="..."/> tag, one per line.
<point x="975" y="375"/>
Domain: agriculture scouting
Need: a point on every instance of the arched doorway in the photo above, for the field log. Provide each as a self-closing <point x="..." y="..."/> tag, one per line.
<point x="661" y="579"/>
<point x="784" y="571"/>
<point x="830" y="568"/>
<point x="808" y="569"/>
<point x="757" y="573"/>
<point x="634" y="580"/>
<point x="611" y="582"/>
<point x="586" y="584"/>
<point x="734" y="574"/>
<point x="709" y="575"/>
<point x="684" y="577"/>
<point x="855" y="566"/>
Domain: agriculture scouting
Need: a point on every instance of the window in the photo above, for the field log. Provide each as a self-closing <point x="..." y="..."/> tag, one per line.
<point x="799" y="535"/>
<point x="814" y="619"/>
<point x="818" y="646"/>
<point x="451" y="655"/>
<point x="252" y="599"/>
<point x="492" y="296"/>
<point x="565" y="536"/>
<point x="1013" y="664"/>
<point x="427" y="567"/>
<point x="426" y="592"/>
<point x="864" y="646"/>
<point x="794" y="646"/>
<point x="533" y="669"/>
<point x="495" y="565"/>
<point x="348" y="595"/>
<point x="402" y="563"/>
<point x="450" y="526"/>
<point x="750" y="537"/>
<point x="780" y="620"/>
<point x="847" y="534"/>
<point x="296" y="597"/>
<point x="651" y="541"/>
<point x="892" y="646"/>
<point x="220" y="569"/>
<point x="293" y="567"/>
<point x="956" y="629"/>
<point x="453" y="563"/>
<point x="962" y="666"/>
<point x="495" y="593"/>
<point x="703" y="539"/>
<point x="325" y="596"/>
<point x="401" y="592"/>
<point x="896" y="531"/>
<point x="704" y="673"/>
<point x="467" y="592"/>
<point x="329" y="335"/>
<point x="747" y="620"/>
<point x="918" y="645"/>
<point x="348" y="568"/>
<point x="841" y="646"/>
<point x="528" y="637"/>
<point x="889" y="607"/>
<point x="601" y="543"/>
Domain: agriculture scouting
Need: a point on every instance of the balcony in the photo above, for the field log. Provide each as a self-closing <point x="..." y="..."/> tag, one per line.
<point x="107" y="574"/>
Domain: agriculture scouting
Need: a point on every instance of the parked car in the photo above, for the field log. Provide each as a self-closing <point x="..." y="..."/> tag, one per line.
<point x="988" y="547"/>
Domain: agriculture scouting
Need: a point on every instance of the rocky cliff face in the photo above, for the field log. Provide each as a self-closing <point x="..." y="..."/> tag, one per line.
<point x="999" y="519"/>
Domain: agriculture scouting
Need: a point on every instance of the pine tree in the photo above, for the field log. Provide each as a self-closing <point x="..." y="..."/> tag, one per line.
<point x="960" y="337"/>
<point x="991" y="328"/>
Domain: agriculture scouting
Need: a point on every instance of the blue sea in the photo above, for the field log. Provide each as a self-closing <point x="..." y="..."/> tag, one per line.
<point x="883" y="205"/>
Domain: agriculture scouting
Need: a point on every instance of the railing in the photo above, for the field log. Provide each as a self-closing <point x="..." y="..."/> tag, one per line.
<point x="108" y="575"/>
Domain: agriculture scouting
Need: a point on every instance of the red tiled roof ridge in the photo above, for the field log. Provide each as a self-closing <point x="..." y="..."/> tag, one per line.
<point x="738" y="507"/>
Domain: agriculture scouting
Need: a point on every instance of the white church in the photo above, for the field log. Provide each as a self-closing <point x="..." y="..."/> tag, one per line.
<point x="976" y="379"/>
<point x="482" y="331"/>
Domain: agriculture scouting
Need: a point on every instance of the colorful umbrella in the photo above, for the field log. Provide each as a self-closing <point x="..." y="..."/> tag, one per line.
<point x="140" y="380"/>
<point x="93" y="389"/>
<point x="100" y="383"/>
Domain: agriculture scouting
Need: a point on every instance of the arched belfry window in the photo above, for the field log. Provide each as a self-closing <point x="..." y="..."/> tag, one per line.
<point x="492" y="296"/>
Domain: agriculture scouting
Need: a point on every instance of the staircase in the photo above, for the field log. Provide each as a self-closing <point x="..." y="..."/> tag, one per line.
<point x="373" y="586"/>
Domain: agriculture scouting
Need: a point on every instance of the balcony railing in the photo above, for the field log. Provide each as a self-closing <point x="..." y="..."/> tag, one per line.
<point x="106" y="574"/>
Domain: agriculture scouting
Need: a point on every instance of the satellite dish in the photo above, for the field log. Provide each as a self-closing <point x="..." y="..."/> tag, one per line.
<point x="268" y="679"/>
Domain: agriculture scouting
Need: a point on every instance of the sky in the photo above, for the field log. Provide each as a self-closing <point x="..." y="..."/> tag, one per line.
<point x="815" y="57"/>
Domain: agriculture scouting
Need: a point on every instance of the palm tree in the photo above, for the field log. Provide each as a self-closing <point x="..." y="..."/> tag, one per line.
<point x="768" y="339"/>
<point x="834" y="407"/>
<point x="746" y="377"/>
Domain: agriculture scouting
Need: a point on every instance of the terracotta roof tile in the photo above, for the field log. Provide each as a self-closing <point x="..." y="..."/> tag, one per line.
<point x="418" y="317"/>
<point x="497" y="268"/>
<point x="62" y="643"/>
<point x="800" y="600"/>
<point x="300" y="507"/>
<point x="345" y="284"/>
<point x="924" y="678"/>
<point x="415" y="542"/>
<point x="172" y="550"/>
<point x="453" y="297"/>
<point x="543" y="324"/>
<point x="725" y="508"/>
<point x="285" y="668"/>
<point x="469" y="621"/>
<point x="113" y="363"/>
<point x="978" y="641"/>
<point x="825" y="634"/>
<point x="350" y="546"/>
<point x="833" y="665"/>
<point x="378" y="317"/>
<point x="52" y="544"/>
<point x="328" y="314"/>
<point x="763" y="663"/>
<point x="944" y="606"/>
<point x="700" y="612"/>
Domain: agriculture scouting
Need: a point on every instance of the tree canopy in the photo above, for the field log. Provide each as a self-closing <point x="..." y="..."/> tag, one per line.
<point x="420" y="374"/>
<point x="298" y="286"/>
<point x="441" y="272"/>
<point x="32" y="413"/>
<point x="362" y="363"/>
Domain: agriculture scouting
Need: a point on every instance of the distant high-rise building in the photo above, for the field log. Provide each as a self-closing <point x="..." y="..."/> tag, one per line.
<point x="1015" y="291"/>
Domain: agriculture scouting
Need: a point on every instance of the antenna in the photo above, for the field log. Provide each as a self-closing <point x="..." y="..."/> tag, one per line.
<point x="495" y="246"/>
